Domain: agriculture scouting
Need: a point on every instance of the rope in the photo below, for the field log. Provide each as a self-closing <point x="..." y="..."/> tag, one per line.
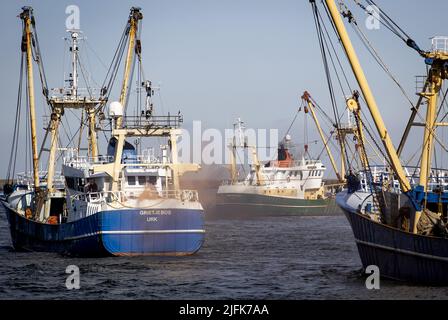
<point x="14" y="143"/>
<point x="390" y="24"/>
<point x="323" y="44"/>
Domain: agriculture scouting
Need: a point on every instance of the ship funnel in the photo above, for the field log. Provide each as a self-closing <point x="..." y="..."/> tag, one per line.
<point x="115" y="109"/>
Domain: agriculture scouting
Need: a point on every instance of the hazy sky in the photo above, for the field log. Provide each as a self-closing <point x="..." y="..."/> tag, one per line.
<point x="221" y="59"/>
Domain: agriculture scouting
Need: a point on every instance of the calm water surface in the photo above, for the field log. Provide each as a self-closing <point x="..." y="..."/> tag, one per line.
<point x="259" y="258"/>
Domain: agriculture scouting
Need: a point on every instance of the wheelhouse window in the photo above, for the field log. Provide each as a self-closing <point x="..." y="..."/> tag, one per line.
<point x="152" y="179"/>
<point x="141" y="180"/>
<point x="131" y="180"/>
<point x="70" y="181"/>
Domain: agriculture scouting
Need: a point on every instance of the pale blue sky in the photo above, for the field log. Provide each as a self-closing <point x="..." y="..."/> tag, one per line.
<point x="218" y="60"/>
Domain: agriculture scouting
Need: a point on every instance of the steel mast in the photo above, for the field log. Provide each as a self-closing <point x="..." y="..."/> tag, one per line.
<point x="438" y="60"/>
<point x="134" y="17"/>
<point x="28" y="19"/>
<point x="72" y="100"/>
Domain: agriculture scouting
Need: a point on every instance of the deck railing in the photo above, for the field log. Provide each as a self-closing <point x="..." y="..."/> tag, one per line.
<point x="153" y="122"/>
<point x="27" y="178"/>
<point x="296" y="163"/>
<point x="124" y="196"/>
<point x="382" y="175"/>
<point x="440" y="44"/>
<point x="84" y="161"/>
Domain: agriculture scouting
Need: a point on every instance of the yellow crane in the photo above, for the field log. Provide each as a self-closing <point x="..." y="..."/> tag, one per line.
<point x="134" y="18"/>
<point x="26" y="47"/>
<point x="307" y="98"/>
<point x="357" y="131"/>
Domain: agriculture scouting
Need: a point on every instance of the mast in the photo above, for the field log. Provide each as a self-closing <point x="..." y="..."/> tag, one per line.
<point x="54" y="142"/>
<point x="411" y="121"/>
<point x="237" y="127"/>
<point x="438" y="72"/>
<point x="242" y="143"/>
<point x="74" y="35"/>
<point x="56" y="118"/>
<point x="257" y="165"/>
<point x="232" y="147"/>
<point x="353" y="106"/>
<point x="90" y="110"/>
<point x="26" y="16"/>
<point x="134" y="17"/>
<point x="428" y="137"/>
<point x="306" y="96"/>
<point x="174" y="158"/>
<point x="370" y="100"/>
<point x="233" y="173"/>
<point x="93" y="145"/>
<point x="341" y="140"/>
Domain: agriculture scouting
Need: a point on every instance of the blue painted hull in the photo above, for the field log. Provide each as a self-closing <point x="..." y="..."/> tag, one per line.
<point x="128" y="232"/>
<point x="400" y="255"/>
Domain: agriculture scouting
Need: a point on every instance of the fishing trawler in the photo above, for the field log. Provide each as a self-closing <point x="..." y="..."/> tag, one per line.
<point x="124" y="203"/>
<point x="398" y="213"/>
<point x="281" y="186"/>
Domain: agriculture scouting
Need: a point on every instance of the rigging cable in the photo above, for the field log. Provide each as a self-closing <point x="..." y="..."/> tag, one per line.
<point x="16" y="132"/>
<point x="391" y="25"/>
<point x="321" y="40"/>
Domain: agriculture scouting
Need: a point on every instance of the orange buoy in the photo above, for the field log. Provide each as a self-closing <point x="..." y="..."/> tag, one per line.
<point x="52" y="220"/>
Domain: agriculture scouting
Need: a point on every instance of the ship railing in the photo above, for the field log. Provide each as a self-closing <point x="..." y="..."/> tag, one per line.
<point x="27" y="178"/>
<point x="152" y="122"/>
<point x="381" y="175"/>
<point x="295" y="163"/>
<point x="124" y="196"/>
<point x="420" y="84"/>
<point x="86" y="160"/>
<point x="347" y="126"/>
<point x="229" y="182"/>
<point x="147" y="158"/>
<point x="81" y="91"/>
<point x="440" y="44"/>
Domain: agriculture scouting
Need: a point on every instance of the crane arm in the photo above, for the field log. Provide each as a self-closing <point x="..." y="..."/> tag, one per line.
<point x="306" y="97"/>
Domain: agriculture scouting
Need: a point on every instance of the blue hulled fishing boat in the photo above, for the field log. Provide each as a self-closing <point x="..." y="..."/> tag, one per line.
<point x="398" y="213"/>
<point x="127" y="202"/>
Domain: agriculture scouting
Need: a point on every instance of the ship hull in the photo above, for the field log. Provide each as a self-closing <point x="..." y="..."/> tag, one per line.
<point x="129" y="232"/>
<point x="254" y="204"/>
<point x="399" y="255"/>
